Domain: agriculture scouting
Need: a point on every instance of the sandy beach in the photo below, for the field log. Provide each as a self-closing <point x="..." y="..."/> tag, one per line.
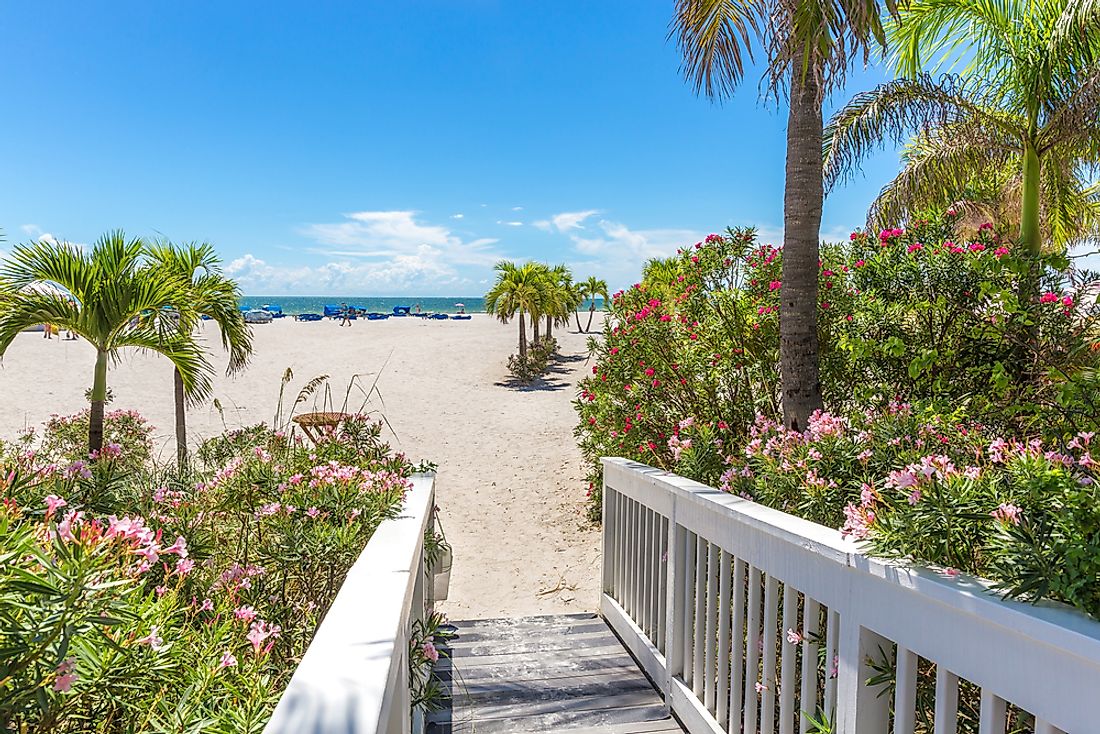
<point x="509" y="486"/>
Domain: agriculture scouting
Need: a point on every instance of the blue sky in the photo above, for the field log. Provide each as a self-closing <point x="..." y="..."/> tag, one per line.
<point x="382" y="148"/>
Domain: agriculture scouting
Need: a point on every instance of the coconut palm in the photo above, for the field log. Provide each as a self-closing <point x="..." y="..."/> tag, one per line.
<point x="517" y="291"/>
<point x="1022" y="113"/>
<point x="212" y="295"/>
<point x="560" y="295"/>
<point x="589" y="290"/>
<point x="116" y="302"/>
<point x="810" y="45"/>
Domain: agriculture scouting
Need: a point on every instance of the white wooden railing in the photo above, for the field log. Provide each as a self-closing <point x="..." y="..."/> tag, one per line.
<point x="354" y="678"/>
<point x="703" y="587"/>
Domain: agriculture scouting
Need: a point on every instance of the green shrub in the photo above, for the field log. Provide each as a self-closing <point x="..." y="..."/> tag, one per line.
<point x="65" y="438"/>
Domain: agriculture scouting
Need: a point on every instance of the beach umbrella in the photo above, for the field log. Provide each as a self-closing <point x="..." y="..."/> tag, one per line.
<point x="461" y="305"/>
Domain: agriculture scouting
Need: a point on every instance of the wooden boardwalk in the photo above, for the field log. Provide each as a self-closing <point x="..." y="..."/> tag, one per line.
<point x="564" y="673"/>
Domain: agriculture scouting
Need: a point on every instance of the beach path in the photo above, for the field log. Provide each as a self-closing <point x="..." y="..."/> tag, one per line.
<point x="510" y="485"/>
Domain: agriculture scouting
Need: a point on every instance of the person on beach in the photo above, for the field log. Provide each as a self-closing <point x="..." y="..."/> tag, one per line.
<point x="418" y="309"/>
<point x="345" y="315"/>
<point x="47" y="331"/>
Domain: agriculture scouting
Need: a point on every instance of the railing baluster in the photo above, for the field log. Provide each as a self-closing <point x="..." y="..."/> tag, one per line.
<point x="635" y="557"/>
<point x="992" y="713"/>
<point x="752" y="653"/>
<point x="768" y="677"/>
<point x="832" y="625"/>
<point x="644" y="571"/>
<point x="737" y="654"/>
<point x="807" y="700"/>
<point x="711" y="661"/>
<point x="947" y="701"/>
<point x="700" y="612"/>
<point x="620" y="546"/>
<point x="722" y="694"/>
<point x="688" y="608"/>
<point x="789" y="660"/>
<point x="905" y="692"/>
<point x="662" y="597"/>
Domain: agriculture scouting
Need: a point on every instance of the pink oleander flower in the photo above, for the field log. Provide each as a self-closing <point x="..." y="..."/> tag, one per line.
<point x="245" y="613"/>
<point x="313" y="512"/>
<point x="760" y="688"/>
<point x="914" y="496"/>
<point x="429" y="651"/>
<point x="53" y="504"/>
<point x="184" y="566"/>
<point x="153" y="640"/>
<point x="794" y="636"/>
<point x="72" y="520"/>
<point x="1048" y="298"/>
<point x="129" y="529"/>
<point x="951" y="573"/>
<point x="206" y="606"/>
<point x="775" y="285"/>
<point x="65" y="675"/>
<point x="78" y="469"/>
<point x="1007" y="513"/>
<point x="259" y="632"/>
<point x="227" y="661"/>
<point x="178" y="548"/>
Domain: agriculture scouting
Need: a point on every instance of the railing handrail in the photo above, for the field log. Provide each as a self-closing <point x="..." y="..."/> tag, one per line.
<point x="1053" y="622"/>
<point x="1044" y="655"/>
<point x="353" y="677"/>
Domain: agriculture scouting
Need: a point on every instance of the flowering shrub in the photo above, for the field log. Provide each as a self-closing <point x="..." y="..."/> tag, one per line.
<point x="927" y="488"/>
<point x="211" y="589"/>
<point x="65" y="437"/>
<point x="991" y="473"/>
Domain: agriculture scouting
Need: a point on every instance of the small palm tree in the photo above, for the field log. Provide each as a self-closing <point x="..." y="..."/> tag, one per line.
<point x="810" y="45"/>
<point x="590" y="289"/>
<point x="517" y="291"/>
<point x="560" y="294"/>
<point x="116" y="303"/>
<point x="1023" y="113"/>
<point x="212" y="295"/>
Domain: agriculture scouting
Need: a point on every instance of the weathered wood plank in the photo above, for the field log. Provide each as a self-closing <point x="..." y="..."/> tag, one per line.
<point x="548" y="674"/>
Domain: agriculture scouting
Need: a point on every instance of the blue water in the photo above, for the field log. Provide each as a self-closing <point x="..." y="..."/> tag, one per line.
<point x="316" y="304"/>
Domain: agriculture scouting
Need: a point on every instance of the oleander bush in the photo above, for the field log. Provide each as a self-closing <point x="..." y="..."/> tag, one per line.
<point x="149" y="601"/>
<point x="961" y="407"/>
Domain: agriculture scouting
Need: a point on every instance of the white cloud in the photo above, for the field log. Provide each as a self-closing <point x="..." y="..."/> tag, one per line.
<point x="615" y="252"/>
<point x="517" y="208"/>
<point x="392" y="234"/>
<point x="509" y="224"/>
<point x="544" y="225"/>
<point x="572" y="220"/>
<point x="460" y="215"/>
<point x="37" y="234"/>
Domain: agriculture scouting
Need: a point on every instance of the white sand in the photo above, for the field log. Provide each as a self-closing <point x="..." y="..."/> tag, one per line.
<point x="510" y="484"/>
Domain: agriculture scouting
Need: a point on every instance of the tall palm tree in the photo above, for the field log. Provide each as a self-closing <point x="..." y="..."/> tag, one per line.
<point x="1025" y="103"/>
<point x="810" y="45"/>
<point x="517" y="291"/>
<point x="560" y="294"/>
<point x="212" y="295"/>
<point x="116" y="303"/>
<point x="589" y="290"/>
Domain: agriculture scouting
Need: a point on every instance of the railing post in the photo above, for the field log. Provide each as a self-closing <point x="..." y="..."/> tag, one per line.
<point x="607" y="560"/>
<point x="674" y="600"/>
<point x="859" y="708"/>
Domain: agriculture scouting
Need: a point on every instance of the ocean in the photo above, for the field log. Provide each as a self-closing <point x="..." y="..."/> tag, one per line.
<point x="316" y="304"/>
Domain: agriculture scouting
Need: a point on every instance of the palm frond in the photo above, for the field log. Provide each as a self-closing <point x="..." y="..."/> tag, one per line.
<point x="714" y="38"/>
<point x="896" y="110"/>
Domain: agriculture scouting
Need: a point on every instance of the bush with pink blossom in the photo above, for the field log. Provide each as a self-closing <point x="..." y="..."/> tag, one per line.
<point x="161" y="602"/>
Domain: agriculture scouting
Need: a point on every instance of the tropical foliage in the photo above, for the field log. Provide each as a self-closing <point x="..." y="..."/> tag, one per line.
<point x="810" y="45"/>
<point x="210" y="590"/>
<point x="686" y="376"/>
<point x="113" y="299"/>
<point x="1012" y="135"/>
<point x="538" y="291"/>
<point x="210" y="296"/>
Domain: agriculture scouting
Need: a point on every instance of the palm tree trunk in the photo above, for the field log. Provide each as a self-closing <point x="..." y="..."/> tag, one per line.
<point x="181" y="422"/>
<point x="802" y="201"/>
<point x="578" y="315"/>
<point x="522" y="337"/>
<point x="549" y="327"/>
<point x="591" y="313"/>
<point x="535" y="327"/>
<point x="99" y="399"/>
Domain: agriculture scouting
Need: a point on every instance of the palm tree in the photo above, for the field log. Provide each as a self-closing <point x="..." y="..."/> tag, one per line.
<point x="212" y="295"/>
<point x="589" y="290"/>
<point x="116" y="303"/>
<point x="810" y="45"/>
<point x="517" y="291"/>
<point x="1025" y="105"/>
<point x="560" y="295"/>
